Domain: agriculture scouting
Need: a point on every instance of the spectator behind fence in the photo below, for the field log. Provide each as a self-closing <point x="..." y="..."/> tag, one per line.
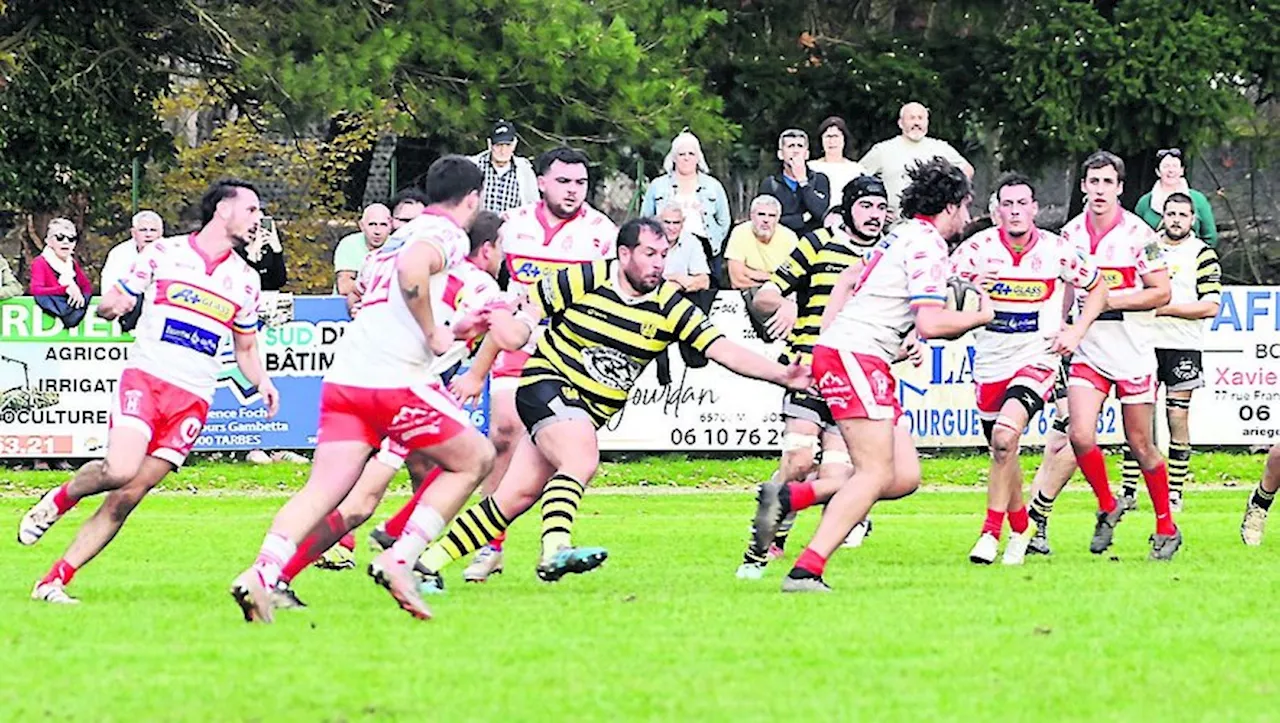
<point x="687" y="267"/>
<point x="58" y="281"/>
<point x="1171" y="179"/>
<point x="835" y="164"/>
<point x="266" y="254"/>
<point x="890" y="159"/>
<point x="147" y="226"/>
<point x="9" y="284"/>
<point x="406" y="206"/>
<point x="754" y="250"/>
<point x="509" y="180"/>
<point x="375" y="227"/>
<point x="804" y="193"/>
<point x="688" y="183"/>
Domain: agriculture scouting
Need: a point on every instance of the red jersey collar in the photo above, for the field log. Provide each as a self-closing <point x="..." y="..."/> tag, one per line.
<point x="1096" y="236"/>
<point x="1032" y="237"/>
<point x="210" y="262"/>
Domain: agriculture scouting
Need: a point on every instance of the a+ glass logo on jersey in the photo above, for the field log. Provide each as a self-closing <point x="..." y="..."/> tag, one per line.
<point x="205" y="303"/>
<point x="1022" y="290"/>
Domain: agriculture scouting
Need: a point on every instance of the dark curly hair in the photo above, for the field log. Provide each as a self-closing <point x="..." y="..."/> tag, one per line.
<point x="935" y="184"/>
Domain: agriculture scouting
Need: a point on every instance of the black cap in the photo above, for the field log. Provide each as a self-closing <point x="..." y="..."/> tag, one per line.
<point x="503" y="132"/>
<point x="864" y="186"/>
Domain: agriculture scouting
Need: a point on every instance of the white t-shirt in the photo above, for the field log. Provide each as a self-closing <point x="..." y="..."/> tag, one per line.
<point x="1027" y="297"/>
<point x="193" y="305"/>
<point x="1115" y="345"/>
<point x="907" y="269"/>
<point x="839" y="174"/>
<point x="890" y="160"/>
<point x="383" y="347"/>
<point x="119" y="261"/>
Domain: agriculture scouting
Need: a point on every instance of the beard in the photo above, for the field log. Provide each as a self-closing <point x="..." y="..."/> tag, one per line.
<point x="861" y="238"/>
<point x="561" y="211"/>
<point x="1168" y="233"/>
<point x="640" y="283"/>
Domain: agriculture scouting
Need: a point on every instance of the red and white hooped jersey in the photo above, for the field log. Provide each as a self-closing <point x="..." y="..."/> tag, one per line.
<point x="193" y="305"/>
<point x="1028" y="297"/>
<point x="907" y="269"/>
<point x="1123" y="254"/>
<point x="536" y="243"/>
<point x="383" y="347"/>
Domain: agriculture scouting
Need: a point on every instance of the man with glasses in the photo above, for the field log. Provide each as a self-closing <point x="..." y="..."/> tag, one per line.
<point x="406" y="206"/>
<point x="805" y="194"/>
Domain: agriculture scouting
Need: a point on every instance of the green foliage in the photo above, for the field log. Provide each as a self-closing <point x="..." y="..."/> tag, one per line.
<point x="78" y="106"/>
<point x="603" y="75"/>
<point x="1154" y="74"/>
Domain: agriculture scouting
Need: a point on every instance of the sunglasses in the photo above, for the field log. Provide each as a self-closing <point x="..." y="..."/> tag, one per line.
<point x="1175" y="152"/>
<point x="405" y="220"/>
<point x="64" y="239"/>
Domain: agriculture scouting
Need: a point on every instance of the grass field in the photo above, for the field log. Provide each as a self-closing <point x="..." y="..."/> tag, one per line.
<point x="662" y="632"/>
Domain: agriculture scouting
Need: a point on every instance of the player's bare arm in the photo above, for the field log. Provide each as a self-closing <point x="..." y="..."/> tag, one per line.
<point x="346" y="283"/>
<point x="246" y="347"/>
<point x="1190" y="310"/>
<point x="933" y="321"/>
<point x="414" y="268"/>
<point x="1094" y="304"/>
<point x="840" y="292"/>
<point x="1156" y="293"/>
<point x="116" y="303"/>
<point x="740" y="360"/>
<point x="769" y="300"/>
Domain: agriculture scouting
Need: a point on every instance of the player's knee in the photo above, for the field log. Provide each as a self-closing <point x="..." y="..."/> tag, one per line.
<point x="117" y="474"/>
<point x="357" y="511"/>
<point x="121" y="503"/>
<point x="1004" y="444"/>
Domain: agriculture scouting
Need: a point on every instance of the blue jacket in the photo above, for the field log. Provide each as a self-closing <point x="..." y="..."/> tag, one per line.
<point x="715" y="205"/>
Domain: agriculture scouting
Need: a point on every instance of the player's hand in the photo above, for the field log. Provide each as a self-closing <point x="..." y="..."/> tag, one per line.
<point x="783" y="320"/>
<point x="441" y="340"/>
<point x="912" y="350"/>
<point x="471" y="325"/>
<point x="985" y="308"/>
<point x="270" y="396"/>
<point x="1066" y="340"/>
<point x="797" y="377"/>
<point x="467" y="387"/>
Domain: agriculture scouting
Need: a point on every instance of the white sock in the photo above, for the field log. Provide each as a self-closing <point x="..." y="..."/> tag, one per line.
<point x="275" y="553"/>
<point x="425" y="525"/>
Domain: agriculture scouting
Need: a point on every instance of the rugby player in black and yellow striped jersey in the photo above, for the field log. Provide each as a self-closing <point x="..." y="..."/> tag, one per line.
<point x="607" y="320"/>
<point x="809" y="275"/>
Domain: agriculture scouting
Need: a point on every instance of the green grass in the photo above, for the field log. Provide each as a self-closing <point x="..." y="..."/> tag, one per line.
<point x="940" y="468"/>
<point x="663" y="631"/>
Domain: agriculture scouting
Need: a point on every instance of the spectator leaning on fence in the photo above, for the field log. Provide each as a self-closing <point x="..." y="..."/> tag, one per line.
<point x="1172" y="179"/>
<point x="509" y="180"/>
<point x="58" y="281"/>
<point x="147" y="226"/>
<point x="757" y="246"/>
<point x="804" y="194"/>
<point x="375" y="227"/>
<point x="688" y="183"/>
<point x="9" y="284"/>
<point x="890" y="159"/>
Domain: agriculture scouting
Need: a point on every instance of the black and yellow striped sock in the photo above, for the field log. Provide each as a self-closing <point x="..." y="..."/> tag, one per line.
<point x="1130" y="473"/>
<point x="1179" y="466"/>
<point x="784" y="529"/>
<point x="470" y="531"/>
<point x="559" y="509"/>
<point x="1040" y="508"/>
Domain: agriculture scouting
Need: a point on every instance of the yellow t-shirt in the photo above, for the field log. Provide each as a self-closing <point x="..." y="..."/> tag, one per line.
<point x="744" y="247"/>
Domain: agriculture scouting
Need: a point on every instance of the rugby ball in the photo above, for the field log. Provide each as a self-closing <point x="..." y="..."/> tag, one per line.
<point x="962" y="295"/>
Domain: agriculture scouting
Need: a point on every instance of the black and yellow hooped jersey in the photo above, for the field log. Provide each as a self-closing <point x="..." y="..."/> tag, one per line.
<point x="599" y="340"/>
<point x="811" y="272"/>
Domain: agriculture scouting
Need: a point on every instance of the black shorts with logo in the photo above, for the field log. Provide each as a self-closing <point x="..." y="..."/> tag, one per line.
<point x="1180" y="370"/>
<point x="547" y="401"/>
<point x="808" y="407"/>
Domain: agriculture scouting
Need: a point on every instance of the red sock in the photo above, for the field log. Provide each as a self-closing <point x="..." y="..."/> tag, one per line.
<point x="314" y="546"/>
<point x="395" y="525"/>
<point x="348" y="541"/>
<point x="1094" y="469"/>
<point x="802" y="495"/>
<point x="1019" y="521"/>
<point x="811" y="561"/>
<point x="993" y="523"/>
<point x="62" y="500"/>
<point x="62" y="572"/>
<point x="1158" y="489"/>
<point x="496" y="543"/>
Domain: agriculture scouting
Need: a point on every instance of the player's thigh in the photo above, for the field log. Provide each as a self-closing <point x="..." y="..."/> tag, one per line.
<point x="1084" y="404"/>
<point x="561" y="425"/>
<point x="504" y="423"/>
<point x="871" y="444"/>
<point x="126" y="452"/>
<point x="906" y="464"/>
<point x="369" y="489"/>
<point x="571" y="447"/>
<point x="336" y="466"/>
